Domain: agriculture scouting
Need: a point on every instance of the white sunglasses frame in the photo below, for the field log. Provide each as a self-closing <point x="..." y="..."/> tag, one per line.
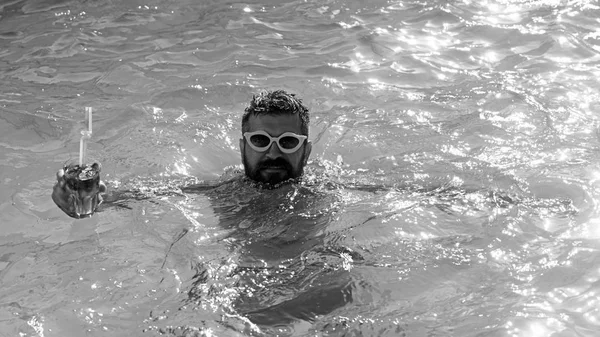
<point x="272" y="139"/>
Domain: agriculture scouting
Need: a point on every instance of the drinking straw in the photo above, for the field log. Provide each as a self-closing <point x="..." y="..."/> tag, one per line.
<point x="85" y="135"/>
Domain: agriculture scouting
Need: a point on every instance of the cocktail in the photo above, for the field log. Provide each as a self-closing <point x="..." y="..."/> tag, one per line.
<point x="82" y="184"/>
<point x="78" y="187"/>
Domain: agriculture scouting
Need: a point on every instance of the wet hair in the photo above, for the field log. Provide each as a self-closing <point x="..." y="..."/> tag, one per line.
<point x="275" y="103"/>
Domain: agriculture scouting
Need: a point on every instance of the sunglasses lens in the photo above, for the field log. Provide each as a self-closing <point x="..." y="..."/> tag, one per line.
<point x="289" y="142"/>
<point x="260" y="140"/>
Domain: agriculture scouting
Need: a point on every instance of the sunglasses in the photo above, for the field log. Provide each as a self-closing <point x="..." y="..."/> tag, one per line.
<point x="261" y="141"/>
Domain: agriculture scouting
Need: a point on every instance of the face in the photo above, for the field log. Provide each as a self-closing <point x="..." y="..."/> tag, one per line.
<point x="274" y="166"/>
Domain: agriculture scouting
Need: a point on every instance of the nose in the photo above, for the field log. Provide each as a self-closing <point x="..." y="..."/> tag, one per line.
<point x="273" y="152"/>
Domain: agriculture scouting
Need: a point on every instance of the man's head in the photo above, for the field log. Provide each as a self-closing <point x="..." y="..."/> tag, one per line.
<point x="272" y="115"/>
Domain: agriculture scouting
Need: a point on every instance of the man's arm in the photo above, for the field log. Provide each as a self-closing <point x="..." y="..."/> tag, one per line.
<point x="138" y="189"/>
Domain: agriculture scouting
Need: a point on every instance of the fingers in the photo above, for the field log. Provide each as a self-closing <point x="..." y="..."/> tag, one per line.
<point x="60" y="174"/>
<point x="59" y="191"/>
<point x="63" y="200"/>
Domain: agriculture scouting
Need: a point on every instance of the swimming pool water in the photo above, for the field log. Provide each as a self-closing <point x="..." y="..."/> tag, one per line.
<point x="452" y="190"/>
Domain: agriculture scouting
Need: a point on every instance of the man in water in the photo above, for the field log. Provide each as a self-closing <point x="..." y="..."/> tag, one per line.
<point x="274" y="146"/>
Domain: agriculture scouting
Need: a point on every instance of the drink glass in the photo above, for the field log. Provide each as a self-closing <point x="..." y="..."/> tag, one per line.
<point x="83" y="184"/>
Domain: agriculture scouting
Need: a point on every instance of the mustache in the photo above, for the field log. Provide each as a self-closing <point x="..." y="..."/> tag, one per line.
<point x="279" y="162"/>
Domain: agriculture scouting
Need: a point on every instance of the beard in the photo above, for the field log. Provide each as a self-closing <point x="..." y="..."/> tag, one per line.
<point x="282" y="170"/>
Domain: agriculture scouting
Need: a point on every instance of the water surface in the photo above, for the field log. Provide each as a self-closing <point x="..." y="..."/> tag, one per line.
<point x="452" y="190"/>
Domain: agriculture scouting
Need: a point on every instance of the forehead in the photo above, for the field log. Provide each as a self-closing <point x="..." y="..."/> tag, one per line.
<point x="275" y="125"/>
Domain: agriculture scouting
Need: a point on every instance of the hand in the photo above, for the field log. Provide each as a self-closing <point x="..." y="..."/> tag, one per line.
<point x="77" y="203"/>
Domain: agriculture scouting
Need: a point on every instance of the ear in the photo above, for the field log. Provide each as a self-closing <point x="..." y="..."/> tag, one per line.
<point x="242" y="147"/>
<point x="307" y="149"/>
